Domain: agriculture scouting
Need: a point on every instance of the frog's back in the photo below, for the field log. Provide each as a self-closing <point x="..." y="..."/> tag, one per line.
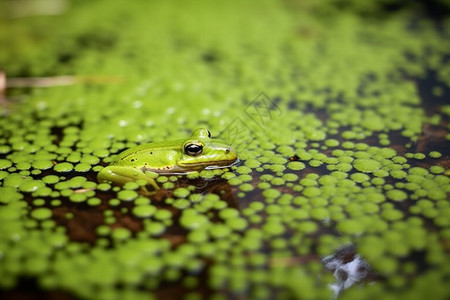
<point x="156" y="156"/>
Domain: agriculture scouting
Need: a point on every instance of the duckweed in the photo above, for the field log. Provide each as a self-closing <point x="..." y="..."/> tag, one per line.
<point x="396" y="195"/>
<point x="50" y="179"/>
<point x="38" y="202"/>
<point x="398" y="174"/>
<point x="296" y="165"/>
<point x="121" y="234"/>
<point x="144" y="210"/>
<point x="246" y="187"/>
<point x="63" y="167"/>
<point x="82" y="167"/>
<point x="273" y="228"/>
<point x="315" y="163"/>
<point x="162" y="214"/>
<point x="192" y="220"/>
<point x="127" y="195"/>
<point x="271" y="193"/>
<point x="322" y="158"/>
<point x="359" y="177"/>
<point x="41" y="213"/>
<point x="23" y="166"/>
<point x="181" y="192"/>
<point x="437" y="169"/>
<point x="419" y="156"/>
<point x="94" y="201"/>
<point x="42" y="164"/>
<point x="77" y="198"/>
<point x="435" y="154"/>
<point x="31" y="185"/>
<point x="366" y="165"/>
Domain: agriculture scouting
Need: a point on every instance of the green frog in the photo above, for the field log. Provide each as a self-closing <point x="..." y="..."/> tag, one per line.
<point x="195" y="153"/>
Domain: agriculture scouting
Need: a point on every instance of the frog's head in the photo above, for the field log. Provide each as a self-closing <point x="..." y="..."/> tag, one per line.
<point x="201" y="151"/>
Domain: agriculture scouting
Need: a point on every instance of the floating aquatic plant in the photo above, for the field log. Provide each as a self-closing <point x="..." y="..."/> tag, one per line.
<point x="338" y="114"/>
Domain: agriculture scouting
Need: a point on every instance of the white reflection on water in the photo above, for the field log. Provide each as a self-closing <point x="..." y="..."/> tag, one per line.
<point x="348" y="268"/>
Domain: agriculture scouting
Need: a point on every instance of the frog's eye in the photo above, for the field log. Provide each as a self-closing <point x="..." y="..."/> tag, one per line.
<point x="193" y="149"/>
<point x="201" y="133"/>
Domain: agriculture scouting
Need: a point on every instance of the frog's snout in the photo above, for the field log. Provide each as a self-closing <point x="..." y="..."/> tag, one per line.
<point x="231" y="151"/>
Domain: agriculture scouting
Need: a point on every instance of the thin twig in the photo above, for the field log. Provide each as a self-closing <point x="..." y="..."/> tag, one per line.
<point x="2" y="88"/>
<point x="22" y="82"/>
<point x="59" y="81"/>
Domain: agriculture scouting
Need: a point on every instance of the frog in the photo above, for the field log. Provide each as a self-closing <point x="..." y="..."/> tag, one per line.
<point x="145" y="162"/>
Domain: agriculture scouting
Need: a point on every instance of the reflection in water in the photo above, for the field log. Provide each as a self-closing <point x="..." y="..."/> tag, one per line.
<point x="348" y="268"/>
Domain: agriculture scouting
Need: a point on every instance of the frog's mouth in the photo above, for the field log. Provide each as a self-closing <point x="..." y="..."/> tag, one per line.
<point x="235" y="163"/>
<point x="186" y="168"/>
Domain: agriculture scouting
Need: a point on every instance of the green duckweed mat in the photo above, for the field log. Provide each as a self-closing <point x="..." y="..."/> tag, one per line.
<point x="339" y="111"/>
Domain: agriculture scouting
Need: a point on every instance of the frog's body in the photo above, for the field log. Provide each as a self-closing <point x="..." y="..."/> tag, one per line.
<point x="196" y="153"/>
